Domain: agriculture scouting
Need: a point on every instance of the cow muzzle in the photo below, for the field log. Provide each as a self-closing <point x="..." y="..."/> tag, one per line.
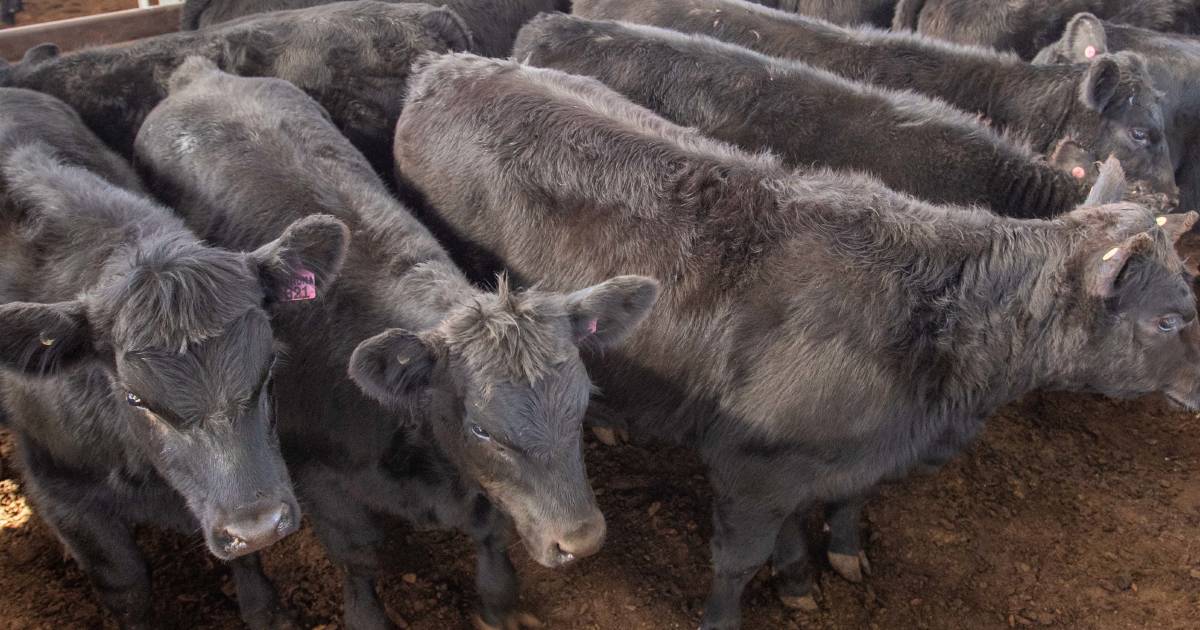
<point x="253" y="528"/>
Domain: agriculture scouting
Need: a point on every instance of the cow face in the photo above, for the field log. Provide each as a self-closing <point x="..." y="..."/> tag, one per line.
<point x="1140" y="328"/>
<point x="1129" y="124"/>
<point x="183" y="335"/>
<point x="1120" y="88"/>
<point x="510" y="393"/>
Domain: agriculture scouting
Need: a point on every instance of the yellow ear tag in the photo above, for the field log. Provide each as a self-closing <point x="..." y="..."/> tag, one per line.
<point x="1112" y="252"/>
<point x="46" y="341"/>
<point x="1161" y="221"/>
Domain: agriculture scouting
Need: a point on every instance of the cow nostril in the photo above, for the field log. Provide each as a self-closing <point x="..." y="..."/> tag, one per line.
<point x="232" y="543"/>
<point x="257" y="529"/>
<point x="562" y="555"/>
<point x="284" y="521"/>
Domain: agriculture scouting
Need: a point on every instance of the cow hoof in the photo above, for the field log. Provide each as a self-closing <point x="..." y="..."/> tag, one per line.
<point x="805" y="603"/>
<point x="799" y="594"/>
<point x="513" y="621"/>
<point x="610" y="436"/>
<point x="852" y="568"/>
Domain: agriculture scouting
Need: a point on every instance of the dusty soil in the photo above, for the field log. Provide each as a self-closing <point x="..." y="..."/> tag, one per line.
<point x="37" y="11"/>
<point x="1071" y="512"/>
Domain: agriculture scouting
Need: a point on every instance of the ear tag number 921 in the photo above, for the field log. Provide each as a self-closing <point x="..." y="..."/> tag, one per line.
<point x="303" y="287"/>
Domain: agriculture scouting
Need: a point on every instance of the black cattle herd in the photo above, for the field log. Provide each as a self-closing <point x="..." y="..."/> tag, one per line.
<point x="359" y="259"/>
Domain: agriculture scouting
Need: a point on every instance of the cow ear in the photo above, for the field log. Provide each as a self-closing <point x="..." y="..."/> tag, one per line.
<point x="1176" y="225"/>
<point x="43" y="339"/>
<point x="1084" y="38"/>
<point x="393" y="365"/>
<point x="302" y="263"/>
<point x="1071" y="157"/>
<point x="1110" y="186"/>
<point x="191" y="69"/>
<point x="1103" y="276"/>
<point x="40" y="53"/>
<point x="603" y="315"/>
<point x="1100" y="83"/>
<point x="451" y="28"/>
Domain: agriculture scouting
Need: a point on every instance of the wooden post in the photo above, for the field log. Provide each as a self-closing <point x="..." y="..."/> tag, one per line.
<point x="91" y="30"/>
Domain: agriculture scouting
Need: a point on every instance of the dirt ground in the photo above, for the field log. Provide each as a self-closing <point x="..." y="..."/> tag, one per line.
<point x="37" y="11"/>
<point x="1071" y="512"/>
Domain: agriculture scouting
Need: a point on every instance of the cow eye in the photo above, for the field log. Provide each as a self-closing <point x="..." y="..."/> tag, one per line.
<point x="1139" y="135"/>
<point x="1170" y="323"/>
<point x="134" y="401"/>
<point x="478" y="432"/>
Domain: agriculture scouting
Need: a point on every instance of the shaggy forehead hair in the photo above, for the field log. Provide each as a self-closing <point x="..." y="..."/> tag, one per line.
<point x="173" y="291"/>
<point x="513" y="336"/>
<point x="1135" y="80"/>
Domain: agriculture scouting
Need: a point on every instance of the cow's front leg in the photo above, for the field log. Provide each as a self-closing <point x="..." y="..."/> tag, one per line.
<point x="792" y="566"/>
<point x="744" y="534"/>
<point x="846" y="554"/>
<point x="352" y="539"/>
<point x="257" y="602"/>
<point x="105" y="550"/>
<point x="496" y="578"/>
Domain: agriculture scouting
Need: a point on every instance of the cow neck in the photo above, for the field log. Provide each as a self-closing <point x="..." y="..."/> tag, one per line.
<point x="1013" y="94"/>
<point x="407" y="277"/>
<point x="1002" y="306"/>
<point x="1031" y="101"/>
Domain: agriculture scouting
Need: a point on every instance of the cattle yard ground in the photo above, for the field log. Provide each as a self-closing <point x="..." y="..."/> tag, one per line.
<point x="1071" y="512"/>
<point x="38" y="11"/>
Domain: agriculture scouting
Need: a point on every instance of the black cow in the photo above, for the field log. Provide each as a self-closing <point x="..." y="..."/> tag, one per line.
<point x="31" y="117"/>
<point x="845" y="12"/>
<point x="1108" y="107"/>
<point x="816" y="333"/>
<point x="352" y="57"/>
<point x="473" y="401"/>
<point x="809" y="117"/>
<point x="493" y="23"/>
<point x="1173" y="60"/>
<point x="1027" y="26"/>
<point x="137" y="362"/>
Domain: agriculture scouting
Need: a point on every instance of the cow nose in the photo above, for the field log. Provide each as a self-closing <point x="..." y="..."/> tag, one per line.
<point x="253" y="528"/>
<point x="582" y="541"/>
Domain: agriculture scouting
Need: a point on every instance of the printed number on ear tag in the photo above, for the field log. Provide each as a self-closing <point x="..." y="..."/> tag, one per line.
<point x="303" y="287"/>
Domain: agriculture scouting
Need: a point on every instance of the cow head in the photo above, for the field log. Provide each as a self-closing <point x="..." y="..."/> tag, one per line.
<point x="1122" y="111"/>
<point x="180" y="334"/>
<point x="509" y="391"/>
<point x="1136" y="306"/>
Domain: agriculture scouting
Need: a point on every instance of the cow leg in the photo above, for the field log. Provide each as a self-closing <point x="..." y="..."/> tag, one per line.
<point x="744" y="534"/>
<point x="352" y="539"/>
<point x="497" y="584"/>
<point x="607" y="425"/>
<point x="257" y="602"/>
<point x="105" y="550"/>
<point x="846" y="555"/>
<point x="1187" y="177"/>
<point x="792" y="566"/>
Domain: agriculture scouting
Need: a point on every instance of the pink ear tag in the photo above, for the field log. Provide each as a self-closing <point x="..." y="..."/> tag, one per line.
<point x="303" y="287"/>
<point x="1078" y="172"/>
<point x="1089" y="52"/>
<point x="592" y="326"/>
